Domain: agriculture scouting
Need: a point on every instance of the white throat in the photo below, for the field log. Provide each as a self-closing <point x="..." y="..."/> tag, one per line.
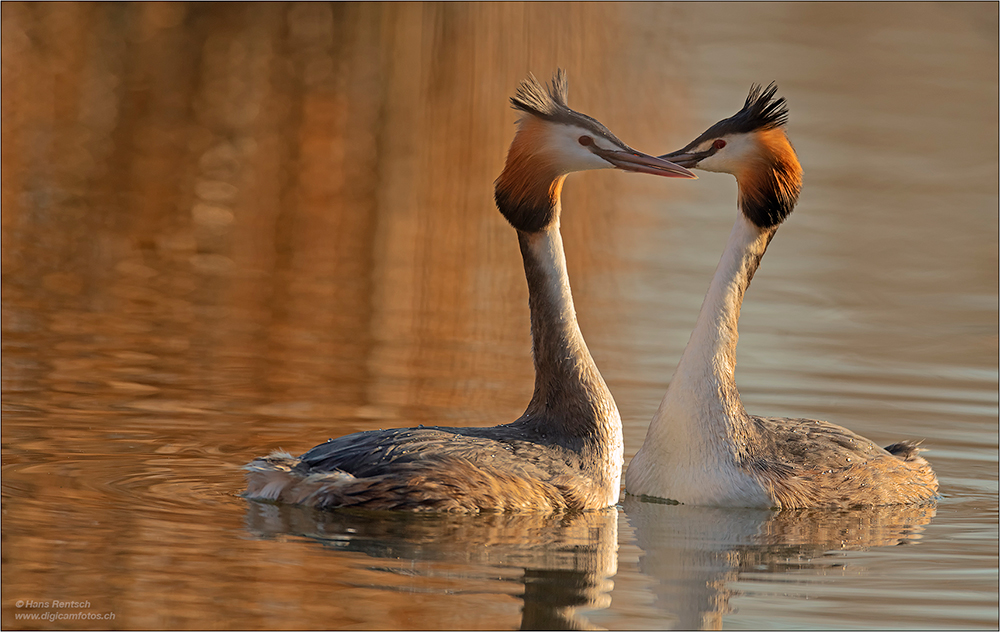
<point x="690" y="447"/>
<point x="571" y="401"/>
<point x="710" y="356"/>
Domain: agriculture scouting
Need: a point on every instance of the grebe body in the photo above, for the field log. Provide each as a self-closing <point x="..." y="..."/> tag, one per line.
<point x="701" y="446"/>
<point x="565" y="452"/>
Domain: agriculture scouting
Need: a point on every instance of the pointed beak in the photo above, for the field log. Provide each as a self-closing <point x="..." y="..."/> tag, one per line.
<point x="687" y="158"/>
<point x="641" y="163"/>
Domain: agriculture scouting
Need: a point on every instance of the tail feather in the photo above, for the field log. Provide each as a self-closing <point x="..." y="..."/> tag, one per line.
<point x="906" y="450"/>
<point x="268" y="477"/>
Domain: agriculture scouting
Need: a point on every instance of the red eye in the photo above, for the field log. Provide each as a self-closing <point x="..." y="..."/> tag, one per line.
<point x="586" y="140"/>
<point x="719" y="143"/>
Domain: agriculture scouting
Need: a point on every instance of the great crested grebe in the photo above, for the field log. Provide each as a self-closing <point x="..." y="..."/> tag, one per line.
<point x="565" y="451"/>
<point x="702" y="447"/>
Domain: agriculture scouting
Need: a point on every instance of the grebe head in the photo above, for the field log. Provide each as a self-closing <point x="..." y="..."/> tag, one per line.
<point x="752" y="146"/>
<point x="552" y="141"/>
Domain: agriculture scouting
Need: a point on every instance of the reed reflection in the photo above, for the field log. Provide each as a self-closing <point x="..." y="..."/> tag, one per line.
<point x="695" y="553"/>
<point x="567" y="560"/>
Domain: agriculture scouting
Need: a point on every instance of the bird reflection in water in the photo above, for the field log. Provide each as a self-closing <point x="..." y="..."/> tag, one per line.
<point x="567" y="560"/>
<point x="695" y="553"/>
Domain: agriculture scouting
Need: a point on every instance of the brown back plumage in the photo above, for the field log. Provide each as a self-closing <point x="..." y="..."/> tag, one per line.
<point x="437" y="484"/>
<point x="808" y="463"/>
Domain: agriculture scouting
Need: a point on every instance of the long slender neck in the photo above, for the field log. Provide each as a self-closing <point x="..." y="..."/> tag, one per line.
<point x="570" y="395"/>
<point x="705" y="378"/>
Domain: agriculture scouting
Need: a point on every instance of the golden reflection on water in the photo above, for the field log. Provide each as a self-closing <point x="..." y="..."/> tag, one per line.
<point x="560" y="563"/>
<point x="697" y="553"/>
<point x="233" y="228"/>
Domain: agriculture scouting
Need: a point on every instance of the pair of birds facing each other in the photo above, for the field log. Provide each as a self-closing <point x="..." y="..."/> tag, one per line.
<point x="565" y="453"/>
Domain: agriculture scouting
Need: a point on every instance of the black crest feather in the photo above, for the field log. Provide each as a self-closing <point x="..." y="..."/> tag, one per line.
<point x="548" y="102"/>
<point x="760" y="112"/>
